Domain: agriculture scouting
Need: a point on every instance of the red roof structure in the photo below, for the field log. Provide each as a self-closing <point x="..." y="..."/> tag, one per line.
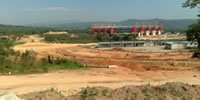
<point x="112" y="31"/>
<point x="99" y="29"/>
<point x="149" y="27"/>
<point x="142" y="27"/>
<point x="160" y="28"/>
<point x="105" y="29"/>
<point x="134" y="30"/>
<point x="93" y="28"/>
<point x="155" y="26"/>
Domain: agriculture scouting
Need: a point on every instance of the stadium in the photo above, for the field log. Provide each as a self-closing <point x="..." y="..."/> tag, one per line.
<point x="139" y="30"/>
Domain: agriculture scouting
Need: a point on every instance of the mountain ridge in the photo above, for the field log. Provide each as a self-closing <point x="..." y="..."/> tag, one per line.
<point x="168" y="24"/>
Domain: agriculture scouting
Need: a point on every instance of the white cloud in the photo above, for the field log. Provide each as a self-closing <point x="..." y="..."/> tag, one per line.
<point x="51" y="9"/>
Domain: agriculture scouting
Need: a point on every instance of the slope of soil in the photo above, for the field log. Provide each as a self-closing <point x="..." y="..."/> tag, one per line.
<point x="133" y="69"/>
<point x="131" y="60"/>
<point x="169" y="91"/>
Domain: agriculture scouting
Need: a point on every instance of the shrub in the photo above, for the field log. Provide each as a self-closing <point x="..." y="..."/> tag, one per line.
<point x="14" y="61"/>
<point x="116" y="37"/>
<point x="65" y="38"/>
<point x="99" y="36"/>
<point x="28" y="58"/>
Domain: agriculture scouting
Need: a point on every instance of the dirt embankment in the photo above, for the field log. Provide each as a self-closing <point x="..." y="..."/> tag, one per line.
<point x="132" y="60"/>
<point x="169" y="91"/>
<point x="133" y="69"/>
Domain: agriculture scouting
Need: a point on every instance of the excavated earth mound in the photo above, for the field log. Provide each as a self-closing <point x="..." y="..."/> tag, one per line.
<point x="169" y="91"/>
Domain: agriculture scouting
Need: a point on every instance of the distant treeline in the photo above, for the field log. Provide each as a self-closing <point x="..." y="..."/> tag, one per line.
<point x="87" y="38"/>
<point x="22" y="30"/>
<point x="65" y="38"/>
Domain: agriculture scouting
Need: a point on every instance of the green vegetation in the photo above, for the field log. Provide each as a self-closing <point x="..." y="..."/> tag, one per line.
<point x="176" y="92"/>
<point x="15" y="62"/>
<point x="116" y="37"/>
<point x="87" y="38"/>
<point x="196" y="49"/>
<point x="193" y="33"/>
<point x="147" y="92"/>
<point x="88" y="93"/>
<point x="65" y="38"/>
<point x="191" y="3"/>
<point x="21" y="30"/>
<point x="25" y="30"/>
<point x="104" y="92"/>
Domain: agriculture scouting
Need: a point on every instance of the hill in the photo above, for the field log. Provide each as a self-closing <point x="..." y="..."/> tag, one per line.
<point x="178" y="25"/>
<point x="15" y="29"/>
<point x="168" y="25"/>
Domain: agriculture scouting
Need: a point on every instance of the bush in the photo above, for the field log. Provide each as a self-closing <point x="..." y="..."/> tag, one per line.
<point x="129" y="37"/>
<point x="15" y="62"/>
<point x="99" y="36"/>
<point x="28" y="58"/>
<point x="123" y="37"/>
<point x="116" y="37"/>
<point x="196" y="50"/>
<point x="65" y="38"/>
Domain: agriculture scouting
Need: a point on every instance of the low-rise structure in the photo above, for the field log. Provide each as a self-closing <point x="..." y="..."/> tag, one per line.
<point x="174" y="46"/>
<point x="125" y="44"/>
<point x="180" y="45"/>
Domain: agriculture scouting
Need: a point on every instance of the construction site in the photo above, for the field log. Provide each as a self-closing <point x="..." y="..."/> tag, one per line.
<point x="100" y="50"/>
<point x="111" y="68"/>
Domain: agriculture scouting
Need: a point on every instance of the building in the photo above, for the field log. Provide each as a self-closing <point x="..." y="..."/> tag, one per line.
<point x="176" y="45"/>
<point x="172" y="45"/>
<point x="139" y="31"/>
<point x="125" y="44"/>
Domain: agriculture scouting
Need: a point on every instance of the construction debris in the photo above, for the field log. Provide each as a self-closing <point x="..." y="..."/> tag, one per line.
<point x="103" y="66"/>
<point x="9" y="96"/>
<point x="112" y="66"/>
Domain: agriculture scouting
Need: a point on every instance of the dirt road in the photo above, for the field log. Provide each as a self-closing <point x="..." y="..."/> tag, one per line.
<point x="70" y="82"/>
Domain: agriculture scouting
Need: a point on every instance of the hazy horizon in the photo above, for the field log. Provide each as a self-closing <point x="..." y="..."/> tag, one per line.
<point x="24" y="12"/>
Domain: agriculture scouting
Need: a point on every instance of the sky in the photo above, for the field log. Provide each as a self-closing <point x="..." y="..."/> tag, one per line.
<point x="25" y="12"/>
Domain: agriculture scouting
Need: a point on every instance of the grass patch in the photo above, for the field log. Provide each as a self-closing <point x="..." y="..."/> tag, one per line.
<point x="18" y="43"/>
<point x="27" y="62"/>
<point x="88" y="93"/>
<point x="196" y="50"/>
<point x="39" y="67"/>
<point x="65" y="38"/>
<point x="147" y="92"/>
<point x="176" y="92"/>
<point x="104" y="92"/>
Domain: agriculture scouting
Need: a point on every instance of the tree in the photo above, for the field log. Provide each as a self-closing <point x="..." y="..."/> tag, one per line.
<point x="191" y="3"/>
<point x="99" y="36"/>
<point x="129" y="37"/>
<point x="193" y="33"/>
<point x="115" y="37"/>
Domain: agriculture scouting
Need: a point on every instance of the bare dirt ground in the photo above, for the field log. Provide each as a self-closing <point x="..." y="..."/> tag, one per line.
<point x="164" y="37"/>
<point x="70" y="82"/>
<point x="169" y="91"/>
<point x="133" y="69"/>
